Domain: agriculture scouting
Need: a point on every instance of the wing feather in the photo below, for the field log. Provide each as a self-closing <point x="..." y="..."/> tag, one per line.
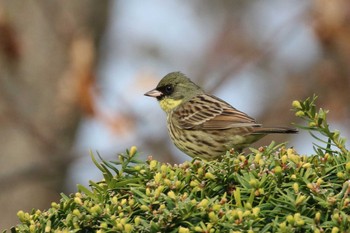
<point x="209" y="112"/>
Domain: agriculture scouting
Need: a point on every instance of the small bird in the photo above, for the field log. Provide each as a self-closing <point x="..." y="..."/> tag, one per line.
<point x="202" y="125"/>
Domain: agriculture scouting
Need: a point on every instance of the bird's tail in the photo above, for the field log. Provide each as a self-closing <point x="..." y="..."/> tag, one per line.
<point x="268" y="130"/>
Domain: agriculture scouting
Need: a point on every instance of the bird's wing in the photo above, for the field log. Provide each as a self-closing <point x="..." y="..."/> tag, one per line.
<point x="209" y="112"/>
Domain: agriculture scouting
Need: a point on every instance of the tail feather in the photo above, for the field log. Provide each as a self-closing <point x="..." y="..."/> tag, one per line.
<point x="282" y="130"/>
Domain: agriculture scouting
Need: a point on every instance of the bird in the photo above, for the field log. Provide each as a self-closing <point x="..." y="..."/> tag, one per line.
<point x="203" y="125"/>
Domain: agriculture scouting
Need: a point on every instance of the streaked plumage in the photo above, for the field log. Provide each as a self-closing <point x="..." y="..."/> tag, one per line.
<point x="203" y="125"/>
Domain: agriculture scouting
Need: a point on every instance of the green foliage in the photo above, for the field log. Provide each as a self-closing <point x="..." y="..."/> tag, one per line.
<point x="272" y="189"/>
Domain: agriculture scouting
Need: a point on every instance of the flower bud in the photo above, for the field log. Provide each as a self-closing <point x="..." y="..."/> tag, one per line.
<point x="296" y="104"/>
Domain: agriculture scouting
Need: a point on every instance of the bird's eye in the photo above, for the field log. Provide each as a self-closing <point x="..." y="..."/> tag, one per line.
<point x="168" y="90"/>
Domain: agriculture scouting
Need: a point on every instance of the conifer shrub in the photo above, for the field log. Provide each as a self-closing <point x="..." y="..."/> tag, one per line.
<point x="270" y="189"/>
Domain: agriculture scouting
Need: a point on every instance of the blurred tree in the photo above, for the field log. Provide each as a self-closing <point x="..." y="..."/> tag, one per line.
<point x="47" y="65"/>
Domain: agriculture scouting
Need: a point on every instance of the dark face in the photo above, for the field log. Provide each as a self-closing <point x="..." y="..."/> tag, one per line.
<point x="174" y="86"/>
<point x="166" y="91"/>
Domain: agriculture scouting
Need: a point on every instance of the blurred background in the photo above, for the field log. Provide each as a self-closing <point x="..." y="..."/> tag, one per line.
<point x="73" y="75"/>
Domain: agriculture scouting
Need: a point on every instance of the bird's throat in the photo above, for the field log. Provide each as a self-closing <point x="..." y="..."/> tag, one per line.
<point x="168" y="104"/>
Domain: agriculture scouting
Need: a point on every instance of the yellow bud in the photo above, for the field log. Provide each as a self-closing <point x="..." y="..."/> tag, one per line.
<point x="319" y="181"/>
<point x="78" y="200"/>
<point x="261" y="191"/>
<point x="184" y="230"/>
<point x="158" y="177"/>
<point x="283" y="225"/>
<point x="114" y="200"/>
<point x="284" y="159"/>
<point x="153" y="164"/>
<point x="310" y="186"/>
<point x="164" y="168"/>
<point x="167" y="182"/>
<point x="336" y="216"/>
<point x="306" y="165"/>
<point x="312" y="124"/>
<point x="203" y="203"/>
<point x="32" y="228"/>
<point x="54" y="205"/>
<point x="278" y="170"/>
<point x="172" y="195"/>
<point x="347" y="167"/>
<point x="131" y="202"/>
<point x="293" y="177"/>
<point x="261" y="162"/>
<point x="120" y="226"/>
<point x="137" y="220"/>
<point x="297" y="216"/>
<point x="234" y="213"/>
<point x="76" y="212"/>
<point x="209" y="176"/>
<point x="21" y="215"/>
<point x="290" y="152"/>
<point x="144" y="208"/>
<point x="299" y="114"/>
<point x="296" y="187"/>
<point x="158" y="191"/>
<point x="300" y="199"/>
<point x="103" y="225"/>
<point x="257" y="157"/>
<point x="213" y="217"/>
<point x="198" y="229"/>
<point x="335" y="230"/>
<point x="128" y="228"/>
<point x="78" y="195"/>
<point x="256" y="211"/>
<point x="246" y="213"/>
<point x="177" y="184"/>
<point x="48" y="226"/>
<point x="300" y="222"/>
<point x="240" y="214"/>
<point x="340" y="175"/>
<point x="248" y="206"/>
<point x="194" y="183"/>
<point x="290" y="219"/>
<point x="132" y="151"/>
<point x="200" y="171"/>
<point x="216" y="207"/>
<point x="317" y="217"/>
<point x="123" y="202"/>
<point x="148" y="192"/>
<point x="96" y="209"/>
<point x="254" y="183"/>
<point x="296" y="104"/>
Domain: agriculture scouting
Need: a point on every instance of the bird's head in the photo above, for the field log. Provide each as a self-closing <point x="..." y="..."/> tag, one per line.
<point x="174" y="89"/>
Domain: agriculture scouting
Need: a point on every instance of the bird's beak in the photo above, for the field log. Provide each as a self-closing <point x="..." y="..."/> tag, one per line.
<point x="154" y="93"/>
